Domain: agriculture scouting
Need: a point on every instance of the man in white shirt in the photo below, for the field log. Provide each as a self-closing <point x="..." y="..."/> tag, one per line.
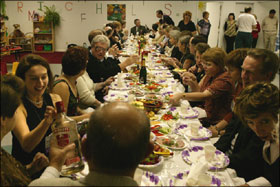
<point x="118" y="139"/>
<point x="245" y="22"/>
<point x="270" y="27"/>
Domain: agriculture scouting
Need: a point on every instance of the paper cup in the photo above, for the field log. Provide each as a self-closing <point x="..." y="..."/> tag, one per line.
<point x="194" y="129"/>
<point x="209" y="152"/>
<point x="131" y="98"/>
<point x="204" y="180"/>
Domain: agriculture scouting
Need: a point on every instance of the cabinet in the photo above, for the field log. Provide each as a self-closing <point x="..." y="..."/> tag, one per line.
<point x="43" y="37"/>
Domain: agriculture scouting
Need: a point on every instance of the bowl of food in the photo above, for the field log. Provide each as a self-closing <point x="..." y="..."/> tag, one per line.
<point x="152" y="105"/>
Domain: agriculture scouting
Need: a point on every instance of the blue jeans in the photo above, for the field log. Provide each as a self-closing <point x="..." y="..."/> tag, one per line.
<point x="243" y="40"/>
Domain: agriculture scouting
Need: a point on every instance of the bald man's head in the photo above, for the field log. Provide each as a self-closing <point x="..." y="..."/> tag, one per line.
<point x="118" y="136"/>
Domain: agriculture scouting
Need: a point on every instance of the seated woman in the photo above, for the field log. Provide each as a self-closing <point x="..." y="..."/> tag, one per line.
<point x="74" y="63"/>
<point x="13" y="173"/>
<point x="215" y="88"/>
<point x="197" y="69"/>
<point x="234" y="61"/>
<point x="34" y="115"/>
<point x="86" y="90"/>
<point x="258" y="107"/>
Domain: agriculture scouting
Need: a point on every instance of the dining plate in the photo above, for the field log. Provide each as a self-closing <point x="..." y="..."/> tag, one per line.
<point x="114" y="86"/>
<point x="152" y="166"/>
<point x="181" y="180"/>
<point x="116" y="97"/>
<point x="196" y="154"/>
<point x="172" y="143"/>
<point x="191" y="113"/>
<point x="185" y="130"/>
<point x="150" y="179"/>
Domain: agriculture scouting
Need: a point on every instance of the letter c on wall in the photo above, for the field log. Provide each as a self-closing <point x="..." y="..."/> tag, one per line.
<point x="67" y="7"/>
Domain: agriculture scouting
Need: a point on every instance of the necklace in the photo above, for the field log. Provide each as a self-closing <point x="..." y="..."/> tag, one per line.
<point x="35" y="102"/>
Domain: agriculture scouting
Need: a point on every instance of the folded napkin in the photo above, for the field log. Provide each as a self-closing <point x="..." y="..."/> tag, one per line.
<point x="195" y="170"/>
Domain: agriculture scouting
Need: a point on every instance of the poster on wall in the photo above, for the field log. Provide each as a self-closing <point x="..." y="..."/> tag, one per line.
<point x="116" y="12"/>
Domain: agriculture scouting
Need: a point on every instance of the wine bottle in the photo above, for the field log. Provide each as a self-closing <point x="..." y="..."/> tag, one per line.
<point x="64" y="130"/>
<point x="143" y="72"/>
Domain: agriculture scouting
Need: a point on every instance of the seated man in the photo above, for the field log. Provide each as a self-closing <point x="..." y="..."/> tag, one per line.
<point x="239" y="142"/>
<point x="117" y="140"/>
<point x="138" y="28"/>
<point x="100" y="68"/>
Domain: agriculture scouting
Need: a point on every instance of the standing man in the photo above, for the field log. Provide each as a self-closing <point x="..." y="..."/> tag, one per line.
<point x="138" y="28"/>
<point x="164" y="18"/>
<point x="246" y="22"/>
<point x="270" y="26"/>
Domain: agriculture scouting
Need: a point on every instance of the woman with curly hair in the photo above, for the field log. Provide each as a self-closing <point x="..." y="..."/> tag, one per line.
<point x="258" y="107"/>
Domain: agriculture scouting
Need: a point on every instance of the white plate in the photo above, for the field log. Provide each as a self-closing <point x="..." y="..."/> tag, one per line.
<point x="196" y="154"/>
<point x="150" y="179"/>
<point x="181" y="180"/>
<point x="114" y="86"/>
<point x="116" y="97"/>
<point x="159" y="141"/>
<point x="142" y="166"/>
<point x="166" y="75"/>
<point x="192" y="113"/>
<point x="203" y="133"/>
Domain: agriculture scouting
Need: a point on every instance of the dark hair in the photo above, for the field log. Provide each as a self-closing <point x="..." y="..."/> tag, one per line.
<point x="155" y="27"/>
<point x="12" y="88"/>
<point x="201" y="47"/>
<point x="159" y="12"/>
<point x="247" y="9"/>
<point x="30" y="60"/>
<point x="272" y="11"/>
<point x="74" y="60"/>
<point x="236" y="57"/>
<point x="232" y="14"/>
<point x="135" y="21"/>
<point x="109" y="146"/>
<point x="256" y="99"/>
<point x="269" y="61"/>
<point x="204" y="13"/>
<point x="198" y="39"/>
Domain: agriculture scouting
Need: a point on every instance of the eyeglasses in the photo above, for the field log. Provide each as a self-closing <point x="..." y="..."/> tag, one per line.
<point x="98" y="49"/>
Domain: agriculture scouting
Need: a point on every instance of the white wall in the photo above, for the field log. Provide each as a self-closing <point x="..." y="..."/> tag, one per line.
<point x="75" y="30"/>
<point x="260" y="8"/>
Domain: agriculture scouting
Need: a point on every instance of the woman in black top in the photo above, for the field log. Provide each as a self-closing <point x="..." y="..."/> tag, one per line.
<point x="187" y="24"/>
<point x="35" y="115"/>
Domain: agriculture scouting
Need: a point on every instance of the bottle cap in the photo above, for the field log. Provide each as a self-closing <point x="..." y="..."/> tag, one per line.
<point x="59" y="107"/>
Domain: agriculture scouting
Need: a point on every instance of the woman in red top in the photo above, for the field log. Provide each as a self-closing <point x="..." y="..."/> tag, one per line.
<point x="233" y="62"/>
<point x="255" y="33"/>
<point x="216" y="87"/>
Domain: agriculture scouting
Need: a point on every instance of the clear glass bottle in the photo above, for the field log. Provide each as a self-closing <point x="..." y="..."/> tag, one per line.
<point x="64" y="130"/>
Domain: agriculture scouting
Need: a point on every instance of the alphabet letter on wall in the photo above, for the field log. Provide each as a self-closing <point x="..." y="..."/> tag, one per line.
<point x="132" y="13"/>
<point x="30" y="15"/>
<point x="82" y="17"/>
<point x="68" y="6"/>
<point x="40" y="5"/>
<point x="19" y="6"/>
<point x="98" y="8"/>
<point x="166" y="7"/>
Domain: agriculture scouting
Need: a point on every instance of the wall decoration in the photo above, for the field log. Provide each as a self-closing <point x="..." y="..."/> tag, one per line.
<point x="116" y="12"/>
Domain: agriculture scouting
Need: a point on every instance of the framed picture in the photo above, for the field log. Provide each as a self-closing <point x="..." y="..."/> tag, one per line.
<point x="116" y="12"/>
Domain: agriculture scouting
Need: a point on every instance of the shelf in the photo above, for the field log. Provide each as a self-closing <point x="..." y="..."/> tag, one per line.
<point x="43" y="43"/>
<point x="42" y="33"/>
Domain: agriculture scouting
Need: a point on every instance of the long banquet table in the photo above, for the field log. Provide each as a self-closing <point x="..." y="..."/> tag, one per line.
<point x="168" y="171"/>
